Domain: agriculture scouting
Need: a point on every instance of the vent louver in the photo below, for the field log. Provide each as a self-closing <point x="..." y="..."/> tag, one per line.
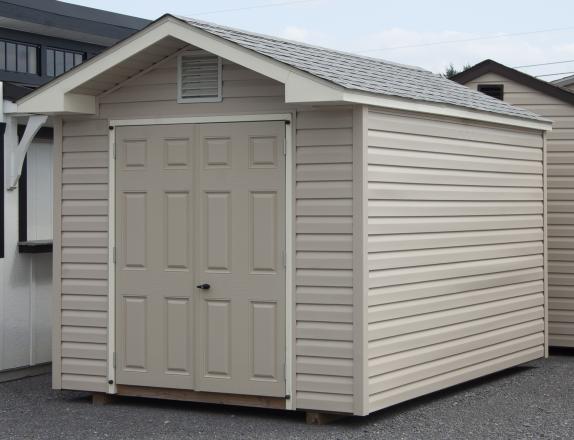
<point x="199" y="77"/>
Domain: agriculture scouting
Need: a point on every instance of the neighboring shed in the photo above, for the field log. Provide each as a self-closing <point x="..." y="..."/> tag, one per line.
<point x="555" y="103"/>
<point x="359" y="232"/>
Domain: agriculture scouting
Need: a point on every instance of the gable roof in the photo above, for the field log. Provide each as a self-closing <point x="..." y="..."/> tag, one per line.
<point x="490" y="66"/>
<point x="310" y="74"/>
<point x="365" y="74"/>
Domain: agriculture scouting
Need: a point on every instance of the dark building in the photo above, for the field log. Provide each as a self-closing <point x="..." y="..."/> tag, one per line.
<point x="41" y="39"/>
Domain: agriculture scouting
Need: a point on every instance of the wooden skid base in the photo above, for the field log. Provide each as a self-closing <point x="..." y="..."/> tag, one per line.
<point x="319" y="418"/>
<point x="102" y="398"/>
<point x="198" y="396"/>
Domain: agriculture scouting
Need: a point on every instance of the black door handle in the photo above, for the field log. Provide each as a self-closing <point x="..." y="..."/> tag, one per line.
<point x="203" y="286"/>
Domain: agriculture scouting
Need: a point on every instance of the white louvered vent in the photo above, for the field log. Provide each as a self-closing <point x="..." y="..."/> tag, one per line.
<point x="199" y="77"/>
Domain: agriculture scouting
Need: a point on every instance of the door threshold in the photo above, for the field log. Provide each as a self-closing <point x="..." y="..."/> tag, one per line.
<point x="202" y="397"/>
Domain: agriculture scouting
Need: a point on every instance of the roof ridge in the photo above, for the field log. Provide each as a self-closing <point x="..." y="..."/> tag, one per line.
<point x="191" y="21"/>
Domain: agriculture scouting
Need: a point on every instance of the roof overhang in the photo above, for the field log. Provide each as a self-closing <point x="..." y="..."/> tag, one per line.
<point x="66" y="95"/>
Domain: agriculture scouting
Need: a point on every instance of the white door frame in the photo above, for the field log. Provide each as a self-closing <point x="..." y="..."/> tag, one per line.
<point x="289" y="244"/>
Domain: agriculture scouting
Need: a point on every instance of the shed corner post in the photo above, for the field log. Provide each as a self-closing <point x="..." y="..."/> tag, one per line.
<point x="360" y="264"/>
<point x="545" y="237"/>
<point x="57" y="257"/>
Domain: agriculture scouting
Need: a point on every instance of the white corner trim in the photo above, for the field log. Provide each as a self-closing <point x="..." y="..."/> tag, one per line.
<point x="17" y="150"/>
<point x="444" y="110"/>
<point x="112" y="388"/>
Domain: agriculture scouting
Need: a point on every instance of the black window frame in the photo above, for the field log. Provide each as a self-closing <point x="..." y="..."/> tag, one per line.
<point x="51" y="54"/>
<point x="487" y="90"/>
<point x="2" y="231"/>
<point x="29" y="48"/>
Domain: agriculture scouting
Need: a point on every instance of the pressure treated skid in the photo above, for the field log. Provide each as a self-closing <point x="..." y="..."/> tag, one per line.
<point x="415" y="237"/>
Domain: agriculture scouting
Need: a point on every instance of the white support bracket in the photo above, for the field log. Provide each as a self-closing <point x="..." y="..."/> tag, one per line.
<point x="17" y="150"/>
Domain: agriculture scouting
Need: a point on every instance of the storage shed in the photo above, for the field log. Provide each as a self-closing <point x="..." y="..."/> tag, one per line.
<point x="557" y="104"/>
<point x="243" y="219"/>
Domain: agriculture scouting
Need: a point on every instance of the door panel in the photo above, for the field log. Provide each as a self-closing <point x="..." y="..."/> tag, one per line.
<point x="241" y="236"/>
<point x="201" y="204"/>
<point x="154" y="275"/>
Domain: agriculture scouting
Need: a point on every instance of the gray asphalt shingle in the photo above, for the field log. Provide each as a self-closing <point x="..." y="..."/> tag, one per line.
<point x="365" y="74"/>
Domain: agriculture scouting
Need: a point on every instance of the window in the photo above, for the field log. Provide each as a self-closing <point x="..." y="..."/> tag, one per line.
<point x="18" y="57"/>
<point x="494" y="90"/>
<point x="199" y="77"/>
<point x="59" y="61"/>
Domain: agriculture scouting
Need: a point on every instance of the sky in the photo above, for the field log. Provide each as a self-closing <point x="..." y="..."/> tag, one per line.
<point x="416" y="32"/>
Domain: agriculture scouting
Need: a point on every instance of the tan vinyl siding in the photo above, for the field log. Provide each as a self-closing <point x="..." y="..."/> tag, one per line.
<point x="324" y="261"/>
<point x="560" y="146"/>
<point x="84" y="255"/>
<point x="323" y="292"/>
<point x="455" y="253"/>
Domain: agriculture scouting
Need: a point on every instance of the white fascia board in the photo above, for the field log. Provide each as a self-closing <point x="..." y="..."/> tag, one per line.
<point x="444" y="110"/>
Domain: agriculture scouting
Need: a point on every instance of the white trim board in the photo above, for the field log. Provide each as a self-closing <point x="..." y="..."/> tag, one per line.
<point x="289" y="233"/>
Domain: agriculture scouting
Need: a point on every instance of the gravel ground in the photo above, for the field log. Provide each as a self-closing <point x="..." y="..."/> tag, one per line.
<point x="533" y="401"/>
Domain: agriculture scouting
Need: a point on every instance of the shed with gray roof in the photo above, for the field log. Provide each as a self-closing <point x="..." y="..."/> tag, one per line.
<point x="248" y="220"/>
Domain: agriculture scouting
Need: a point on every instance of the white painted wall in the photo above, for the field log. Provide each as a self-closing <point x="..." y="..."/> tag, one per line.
<point x="26" y="279"/>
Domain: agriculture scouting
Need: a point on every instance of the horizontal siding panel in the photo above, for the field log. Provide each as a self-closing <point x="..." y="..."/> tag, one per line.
<point x="418" y="356"/>
<point x="324" y="155"/>
<point x="324" y="312"/>
<point x="416" y="373"/>
<point x="392" y="260"/>
<point x="384" y="156"/>
<point x="403" y="191"/>
<point x="324" y="331"/>
<point x="81" y="350"/>
<point x="84" y="207"/>
<point x="95" y="367"/>
<point x="324" y="295"/>
<point x="439" y="127"/>
<point x="84" y="191"/>
<point x="324" y="277"/>
<point x="84" y="287"/>
<point x="561" y="328"/>
<point x="427" y="289"/>
<point x="83" y="143"/>
<point x="324" y="225"/>
<point x="557" y="340"/>
<point x="331" y="207"/>
<point x="324" y="172"/>
<point x="324" y="242"/>
<point x="324" y="190"/>
<point x="93" y="271"/>
<point x="393" y="174"/>
<point x="85" y="318"/>
<point x="437" y="240"/>
<point x="402" y="309"/>
<point x="85" y="160"/>
<point x="324" y="119"/>
<point x="85" y="175"/>
<point x="85" y="223"/>
<point x="324" y="260"/>
<point x="84" y="302"/>
<point x="85" y="127"/>
<point x="409" y="225"/>
<point x="452" y="270"/>
<point x="324" y="366"/>
<point x="565" y="304"/>
<point x="85" y="239"/>
<point x="412" y="142"/>
<point x="437" y="382"/>
<point x="324" y="348"/>
<point x="84" y="255"/>
<point x="412" y="341"/>
<point x="324" y="384"/>
<point x="562" y="291"/>
<point x="386" y="329"/>
<point x="91" y="335"/>
<point x="324" y="137"/>
<point x="340" y="403"/>
<point x="83" y="382"/>
<point x="424" y="208"/>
